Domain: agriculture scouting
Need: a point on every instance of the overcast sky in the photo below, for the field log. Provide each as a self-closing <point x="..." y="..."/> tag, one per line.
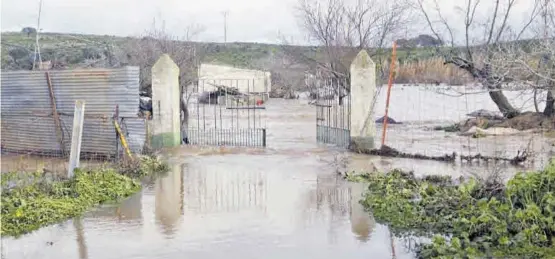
<point x="248" y="20"/>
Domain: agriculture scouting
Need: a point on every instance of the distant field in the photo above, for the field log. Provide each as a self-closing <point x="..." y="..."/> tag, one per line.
<point x="417" y="65"/>
<point x="73" y="47"/>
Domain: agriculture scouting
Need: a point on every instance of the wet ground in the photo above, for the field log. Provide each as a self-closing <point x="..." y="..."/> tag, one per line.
<point x="282" y="201"/>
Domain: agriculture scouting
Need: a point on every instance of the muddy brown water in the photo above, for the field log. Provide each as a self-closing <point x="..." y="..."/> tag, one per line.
<point x="282" y="201"/>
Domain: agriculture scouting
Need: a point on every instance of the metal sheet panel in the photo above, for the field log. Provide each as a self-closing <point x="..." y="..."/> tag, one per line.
<point x="135" y="133"/>
<point x="27" y="121"/>
<point x="99" y="136"/>
<point x="24" y="133"/>
<point x="102" y="89"/>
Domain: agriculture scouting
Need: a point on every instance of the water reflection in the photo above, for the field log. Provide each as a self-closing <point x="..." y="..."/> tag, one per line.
<point x="332" y="193"/>
<point x="218" y="191"/>
<point x="128" y="212"/>
<point x="131" y="209"/>
<point x="81" y="243"/>
<point x="169" y="200"/>
<point x="362" y="223"/>
<point x="340" y="200"/>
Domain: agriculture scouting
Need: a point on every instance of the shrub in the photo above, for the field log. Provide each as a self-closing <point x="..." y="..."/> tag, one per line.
<point x="472" y="219"/>
<point x="32" y="200"/>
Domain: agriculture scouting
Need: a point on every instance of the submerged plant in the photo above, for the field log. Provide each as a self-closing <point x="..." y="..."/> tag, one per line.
<point x="471" y="219"/>
<point x="141" y="166"/>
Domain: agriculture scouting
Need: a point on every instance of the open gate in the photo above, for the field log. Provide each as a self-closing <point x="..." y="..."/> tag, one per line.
<point x="226" y="112"/>
<point x="333" y="112"/>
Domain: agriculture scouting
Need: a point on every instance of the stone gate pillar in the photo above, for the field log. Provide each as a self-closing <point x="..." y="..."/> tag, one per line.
<point x="363" y="90"/>
<point x="166" y="130"/>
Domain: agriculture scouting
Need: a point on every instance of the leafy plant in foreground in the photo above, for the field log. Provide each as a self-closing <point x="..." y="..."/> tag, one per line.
<point x="31" y="206"/>
<point x="31" y="200"/>
<point x="471" y="219"/>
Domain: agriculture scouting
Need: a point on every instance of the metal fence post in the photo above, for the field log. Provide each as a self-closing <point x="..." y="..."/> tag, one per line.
<point x="76" y="136"/>
<point x="264" y="137"/>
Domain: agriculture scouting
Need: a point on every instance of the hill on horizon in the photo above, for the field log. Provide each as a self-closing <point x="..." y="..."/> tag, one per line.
<point x="69" y="51"/>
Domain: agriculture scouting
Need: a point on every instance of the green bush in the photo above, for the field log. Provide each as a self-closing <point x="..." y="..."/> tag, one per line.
<point x="473" y="219"/>
<point x="34" y="200"/>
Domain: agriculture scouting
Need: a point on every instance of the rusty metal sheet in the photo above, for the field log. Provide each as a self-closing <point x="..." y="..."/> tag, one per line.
<point x="27" y="121"/>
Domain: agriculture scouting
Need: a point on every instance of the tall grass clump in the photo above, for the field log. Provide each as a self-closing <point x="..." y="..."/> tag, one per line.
<point x="431" y="71"/>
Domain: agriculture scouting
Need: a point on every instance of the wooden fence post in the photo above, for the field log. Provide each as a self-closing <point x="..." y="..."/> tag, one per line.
<point x="56" y="116"/>
<point x="76" y="136"/>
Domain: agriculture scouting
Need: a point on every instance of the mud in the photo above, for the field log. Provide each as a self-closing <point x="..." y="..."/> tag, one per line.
<point x="282" y="201"/>
<point x="528" y="121"/>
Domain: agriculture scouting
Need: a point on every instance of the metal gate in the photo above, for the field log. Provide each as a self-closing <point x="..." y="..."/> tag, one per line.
<point x="333" y="112"/>
<point x="226" y="112"/>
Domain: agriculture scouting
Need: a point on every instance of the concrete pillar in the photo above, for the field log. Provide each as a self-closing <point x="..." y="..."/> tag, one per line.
<point x="166" y="128"/>
<point x="363" y="90"/>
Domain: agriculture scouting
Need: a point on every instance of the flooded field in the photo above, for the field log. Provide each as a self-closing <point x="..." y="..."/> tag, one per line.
<point x="282" y="201"/>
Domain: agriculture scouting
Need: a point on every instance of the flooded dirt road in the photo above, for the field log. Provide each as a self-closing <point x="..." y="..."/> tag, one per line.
<point x="282" y="201"/>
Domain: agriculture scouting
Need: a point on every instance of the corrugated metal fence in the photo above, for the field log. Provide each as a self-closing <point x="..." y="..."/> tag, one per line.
<point x="28" y="123"/>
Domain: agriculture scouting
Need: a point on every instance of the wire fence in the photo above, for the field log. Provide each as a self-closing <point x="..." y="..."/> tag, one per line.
<point x="101" y="144"/>
<point x="461" y="124"/>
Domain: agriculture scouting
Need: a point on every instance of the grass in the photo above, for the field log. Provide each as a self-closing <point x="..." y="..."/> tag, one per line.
<point x="31" y="200"/>
<point x="471" y="219"/>
<point x="430" y="71"/>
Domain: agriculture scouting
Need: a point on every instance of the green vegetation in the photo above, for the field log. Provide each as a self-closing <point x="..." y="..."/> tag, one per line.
<point x="287" y="63"/>
<point x="36" y="200"/>
<point x="73" y="50"/>
<point x="472" y="219"/>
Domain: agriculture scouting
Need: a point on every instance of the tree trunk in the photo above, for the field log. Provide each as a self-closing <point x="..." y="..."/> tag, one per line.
<point x="503" y="104"/>
<point x="490" y="82"/>
<point x="495" y="93"/>
<point x="184" y="118"/>
<point x="549" y="103"/>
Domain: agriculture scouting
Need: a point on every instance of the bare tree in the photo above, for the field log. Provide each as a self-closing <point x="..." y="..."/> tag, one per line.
<point x="286" y="74"/>
<point x="492" y="48"/>
<point x="343" y="28"/>
<point x="145" y="51"/>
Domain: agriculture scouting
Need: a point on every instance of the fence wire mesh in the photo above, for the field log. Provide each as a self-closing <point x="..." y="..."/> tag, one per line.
<point x="441" y="120"/>
<point x="28" y="151"/>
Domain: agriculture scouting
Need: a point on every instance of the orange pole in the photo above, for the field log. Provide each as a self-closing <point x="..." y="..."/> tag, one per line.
<point x="389" y="84"/>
